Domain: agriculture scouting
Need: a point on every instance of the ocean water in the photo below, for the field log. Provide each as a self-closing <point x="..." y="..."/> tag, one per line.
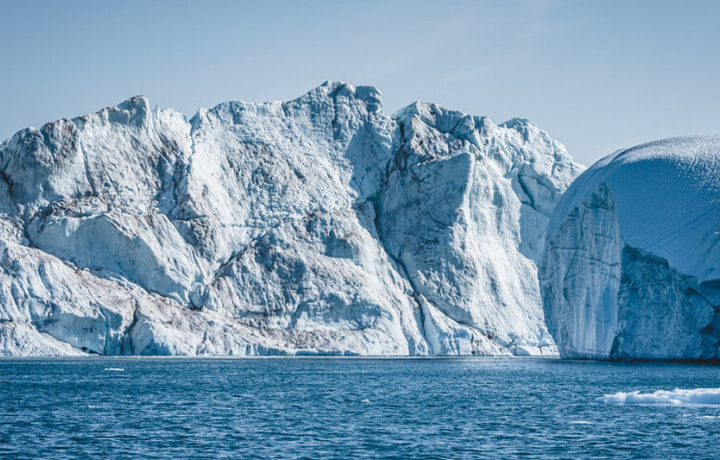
<point x="347" y="408"/>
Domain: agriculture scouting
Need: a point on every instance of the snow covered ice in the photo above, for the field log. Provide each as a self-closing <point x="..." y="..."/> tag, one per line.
<point x="631" y="269"/>
<point x="318" y="225"/>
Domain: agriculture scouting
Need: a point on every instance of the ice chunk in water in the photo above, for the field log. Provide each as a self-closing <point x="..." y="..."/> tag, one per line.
<point x="675" y="397"/>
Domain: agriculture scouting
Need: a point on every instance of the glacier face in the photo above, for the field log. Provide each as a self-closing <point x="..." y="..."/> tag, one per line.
<point x="631" y="269"/>
<point x="318" y="225"/>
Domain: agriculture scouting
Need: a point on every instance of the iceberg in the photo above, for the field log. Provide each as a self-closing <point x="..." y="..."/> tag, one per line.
<point x="314" y="226"/>
<point x="631" y="266"/>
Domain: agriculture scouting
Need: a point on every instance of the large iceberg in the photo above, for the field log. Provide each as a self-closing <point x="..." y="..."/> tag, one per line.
<point x="631" y="269"/>
<point x="315" y="226"/>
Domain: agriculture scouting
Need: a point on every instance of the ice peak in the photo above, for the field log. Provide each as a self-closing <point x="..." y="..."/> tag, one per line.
<point x="332" y="86"/>
<point x="518" y="123"/>
<point x="333" y="90"/>
<point x="526" y="128"/>
<point x="132" y="111"/>
<point x="423" y="109"/>
<point x="444" y="120"/>
<point x="135" y="103"/>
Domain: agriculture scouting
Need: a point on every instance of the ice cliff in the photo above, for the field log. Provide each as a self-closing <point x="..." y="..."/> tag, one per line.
<point x="631" y="269"/>
<point x="315" y="226"/>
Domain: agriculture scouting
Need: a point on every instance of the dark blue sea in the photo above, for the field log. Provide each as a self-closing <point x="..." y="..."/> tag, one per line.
<point x="345" y="408"/>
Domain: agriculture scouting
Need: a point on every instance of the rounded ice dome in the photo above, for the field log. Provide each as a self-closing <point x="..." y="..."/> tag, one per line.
<point x="631" y="267"/>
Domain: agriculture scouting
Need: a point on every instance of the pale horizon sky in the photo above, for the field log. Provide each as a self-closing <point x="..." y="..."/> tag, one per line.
<point x="597" y="76"/>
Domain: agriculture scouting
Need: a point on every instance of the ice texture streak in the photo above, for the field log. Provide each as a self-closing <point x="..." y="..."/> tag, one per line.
<point x="314" y="226"/>
<point x="631" y="268"/>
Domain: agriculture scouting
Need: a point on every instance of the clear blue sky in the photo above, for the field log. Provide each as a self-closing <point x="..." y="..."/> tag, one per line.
<point x="597" y="76"/>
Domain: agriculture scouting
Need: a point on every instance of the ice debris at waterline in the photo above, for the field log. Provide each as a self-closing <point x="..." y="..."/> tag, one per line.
<point x="675" y="397"/>
<point x="631" y="268"/>
<point x="318" y="225"/>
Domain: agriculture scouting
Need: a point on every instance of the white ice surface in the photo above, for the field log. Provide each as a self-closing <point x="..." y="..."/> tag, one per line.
<point x="677" y="396"/>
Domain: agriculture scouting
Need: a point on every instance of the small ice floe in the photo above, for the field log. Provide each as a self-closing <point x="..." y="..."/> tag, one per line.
<point x="675" y="397"/>
<point x="580" y="422"/>
<point x="115" y="369"/>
